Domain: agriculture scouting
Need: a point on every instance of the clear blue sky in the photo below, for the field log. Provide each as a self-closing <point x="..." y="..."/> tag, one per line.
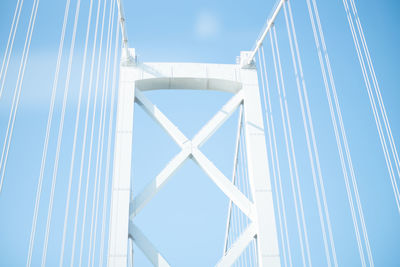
<point x="187" y="220"/>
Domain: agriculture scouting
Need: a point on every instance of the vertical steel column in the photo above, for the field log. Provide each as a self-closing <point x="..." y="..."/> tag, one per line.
<point x="257" y="161"/>
<point x="120" y="198"/>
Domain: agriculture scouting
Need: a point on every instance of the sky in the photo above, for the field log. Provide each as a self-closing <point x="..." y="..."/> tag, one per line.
<point x="186" y="221"/>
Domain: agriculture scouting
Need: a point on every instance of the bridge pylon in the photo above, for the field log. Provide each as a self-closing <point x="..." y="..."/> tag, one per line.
<point x="240" y="80"/>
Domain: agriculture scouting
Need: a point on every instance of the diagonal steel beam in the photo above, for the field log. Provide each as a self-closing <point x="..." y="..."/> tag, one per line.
<point x="147" y="247"/>
<point x="226" y="186"/>
<point x="160" y="118"/>
<point x="238" y="247"/>
<point x="187" y="149"/>
<point x="219" y="118"/>
<point x="161" y="179"/>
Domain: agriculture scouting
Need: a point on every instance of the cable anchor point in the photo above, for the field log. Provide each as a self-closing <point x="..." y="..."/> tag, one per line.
<point x="128" y="57"/>
<point x="245" y="60"/>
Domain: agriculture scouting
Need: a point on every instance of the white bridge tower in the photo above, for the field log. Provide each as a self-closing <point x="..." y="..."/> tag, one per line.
<point x="240" y="80"/>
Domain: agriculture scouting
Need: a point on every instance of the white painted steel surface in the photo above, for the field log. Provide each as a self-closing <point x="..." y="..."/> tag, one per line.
<point x="260" y="183"/>
<point x="243" y="84"/>
<point x="120" y="196"/>
<point x="147" y="247"/>
<point x="238" y="247"/>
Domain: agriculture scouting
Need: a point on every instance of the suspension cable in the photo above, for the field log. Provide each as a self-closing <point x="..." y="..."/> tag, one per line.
<point x="309" y="131"/>
<point x="249" y="195"/>
<point x="274" y="178"/>
<point x="77" y="119"/>
<point x="240" y="185"/>
<point x="92" y="133"/>
<point x="302" y="228"/>
<point x="247" y="191"/>
<point x="372" y="100"/>
<point x="10" y="45"/>
<point x="100" y="144"/>
<point x="108" y="157"/>
<point x="377" y="88"/>
<point x="235" y="162"/>
<point x="269" y="25"/>
<point x="17" y="92"/>
<point x="123" y="29"/>
<point x="274" y="158"/>
<point x="378" y="93"/>
<point x="277" y="158"/>
<point x="85" y="136"/>
<point x="46" y="141"/>
<point x="60" y="133"/>
<point x="357" y="197"/>
<point x="319" y="41"/>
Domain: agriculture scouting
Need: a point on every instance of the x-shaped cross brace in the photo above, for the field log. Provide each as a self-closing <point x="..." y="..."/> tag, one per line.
<point x="190" y="149"/>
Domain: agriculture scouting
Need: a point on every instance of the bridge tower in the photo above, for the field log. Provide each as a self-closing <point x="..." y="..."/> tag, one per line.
<point x="239" y="79"/>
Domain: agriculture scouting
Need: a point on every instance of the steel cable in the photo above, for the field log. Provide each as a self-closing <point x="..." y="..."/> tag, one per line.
<point x="274" y="158"/>
<point x="47" y="136"/>
<point x="100" y="144"/>
<point x="85" y="136"/>
<point x="60" y="134"/>
<point x="354" y="188"/>
<point x="377" y="88"/>
<point x="108" y="157"/>
<point x="235" y="164"/>
<point x="10" y="45"/>
<point x="302" y="229"/>
<point x="75" y="134"/>
<point x="319" y="187"/>
<point x="92" y="135"/>
<point x="17" y="92"/>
